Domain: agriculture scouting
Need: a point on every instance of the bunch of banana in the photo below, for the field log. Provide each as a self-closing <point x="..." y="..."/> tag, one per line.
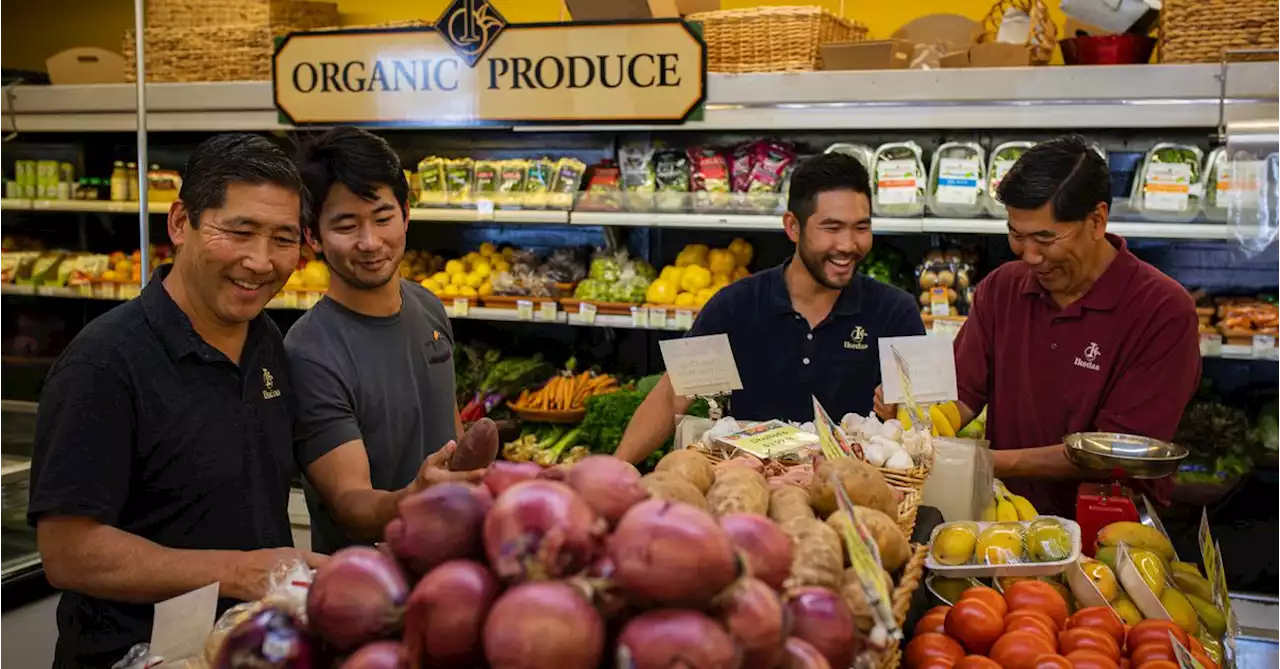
<point x="945" y="417"/>
<point x="1007" y="506"/>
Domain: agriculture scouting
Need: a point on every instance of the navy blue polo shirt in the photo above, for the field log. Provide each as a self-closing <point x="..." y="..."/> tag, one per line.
<point x="782" y="362"/>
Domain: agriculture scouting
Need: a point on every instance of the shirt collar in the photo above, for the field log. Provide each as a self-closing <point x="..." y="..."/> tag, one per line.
<point x="173" y="327"/>
<point x="1105" y="293"/>
<point x="779" y="300"/>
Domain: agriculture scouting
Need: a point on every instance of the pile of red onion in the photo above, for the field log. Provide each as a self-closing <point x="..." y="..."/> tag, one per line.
<point x="577" y="570"/>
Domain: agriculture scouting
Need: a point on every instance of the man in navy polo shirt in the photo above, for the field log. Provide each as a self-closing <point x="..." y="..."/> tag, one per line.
<point x="807" y="328"/>
<point x="1079" y="335"/>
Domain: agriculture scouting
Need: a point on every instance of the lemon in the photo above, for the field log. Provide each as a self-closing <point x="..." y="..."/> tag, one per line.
<point x="685" y="300"/>
<point x="482" y="267"/>
<point x="473" y="280"/>
<point x="468" y="291"/>
<point x="485" y="289"/>
<point x="433" y="286"/>
<point x="451" y="290"/>
<point x="441" y="278"/>
<point x="488" y="249"/>
<point x="454" y="267"/>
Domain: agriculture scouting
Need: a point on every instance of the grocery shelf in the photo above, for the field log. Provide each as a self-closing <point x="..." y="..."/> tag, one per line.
<point x="489" y="215"/>
<point x="1111" y="97"/>
<point x="678" y="220"/>
<point x="1135" y="229"/>
<point x="83" y="206"/>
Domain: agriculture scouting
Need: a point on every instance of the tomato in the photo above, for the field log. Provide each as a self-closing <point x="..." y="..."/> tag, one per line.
<point x="1039" y="596"/>
<point x="975" y="662"/>
<point x="1052" y="661"/>
<point x="989" y="595"/>
<point x="1019" y="650"/>
<point x="1124" y="663"/>
<point x="1099" y="617"/>
<point x="1152" y="651"/>
<point x="941" y="608"/>
<point x="1160" y="664"/>
<point x="929" y="646"/>
<point x="1089" y="638"/>
<point x="1091" y="659"/>
<point x="931" y="622"/>
<point x="1030" y="624"/>
<point x="1038" y="615"/>
<point x="1204" y="660"/>
<point x="1155" y="630"/>
<point x="974" y="625"/>
<point x="937" y="663"/>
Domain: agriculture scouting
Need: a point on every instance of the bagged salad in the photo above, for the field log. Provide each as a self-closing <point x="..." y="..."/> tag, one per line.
<point x="1167" y="186"/>
<point x="1232" y="181"/>
<point x="898" y="180"/>
<point x="862" y="152"/>
<point x="1001" y="161"/>
<point x="957" y="180"/>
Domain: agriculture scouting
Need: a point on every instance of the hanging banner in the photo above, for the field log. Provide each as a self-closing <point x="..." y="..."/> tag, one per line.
<point x="473" y="69"/>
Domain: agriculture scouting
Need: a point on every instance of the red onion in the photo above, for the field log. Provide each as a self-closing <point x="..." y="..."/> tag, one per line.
<point x="503" y="474"/>
<point x="671" y="638"/>
<point x="540" y="530"/>
<point x="801" y="654"/>
<point x="446" y="612"/>
<point x="543" y="625"/>
<point x="443" y="522"/>
<point x="755" y="616"/>
<point x="671" y="554"/>
<point x="271" y="639"/>
<point x="608" y="485"/>
<point x="378" y="655"/>
<point x="355" y="598"/>
<point x="483" y="495"/>
<point x="763" y="545"/>
<point x="821" y="617"/>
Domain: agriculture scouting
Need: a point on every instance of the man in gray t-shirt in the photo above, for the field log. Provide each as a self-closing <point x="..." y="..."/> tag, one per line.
<point x="372" y="363"/>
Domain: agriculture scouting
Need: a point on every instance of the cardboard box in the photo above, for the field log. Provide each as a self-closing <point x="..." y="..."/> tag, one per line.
<point x="872" y="55"/>
<point x="613" y="10"/>
<point x="85" y="65"/>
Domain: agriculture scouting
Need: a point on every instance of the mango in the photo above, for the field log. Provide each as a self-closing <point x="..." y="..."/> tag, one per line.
<point x="1181" y="610"/>
<point x="1137" y="535"/>
<point x="1048" y="540"/>
<point x="1001" y="543"/>
<point x="954" y="544"/>
<point x="1127" y="611"/>
<point x="1192" y="584"/>
<point x="1212" y="619"/>
<point x="1152" y="569"/>
<point x="1187" y="567"/>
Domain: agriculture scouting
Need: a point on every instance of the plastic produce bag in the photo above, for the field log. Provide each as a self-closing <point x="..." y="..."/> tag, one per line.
<point x="140" y="657"/>
<point x="963" y="489"/>
<point x="1255" y="170"/>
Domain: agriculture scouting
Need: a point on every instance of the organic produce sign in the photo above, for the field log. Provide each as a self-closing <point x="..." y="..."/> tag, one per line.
<point x="473" y="68"/>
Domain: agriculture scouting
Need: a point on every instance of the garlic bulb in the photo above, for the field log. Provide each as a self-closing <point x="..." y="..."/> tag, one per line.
<point x="900" y="460"/>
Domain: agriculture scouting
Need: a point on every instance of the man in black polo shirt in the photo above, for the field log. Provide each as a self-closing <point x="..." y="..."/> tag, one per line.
<point x="164" y="441"/>
<point x="809" y="327"/>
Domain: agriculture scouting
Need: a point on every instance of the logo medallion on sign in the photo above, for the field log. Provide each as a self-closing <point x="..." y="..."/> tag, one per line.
<point x="470" y="27"/>
<point x="269" y="389"/>
<point x="1091" y="354"/>
<point x="857" y="339"/>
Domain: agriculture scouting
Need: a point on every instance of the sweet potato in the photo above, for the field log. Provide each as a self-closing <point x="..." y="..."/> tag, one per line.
<point x="894" y="547"/>
<point x="738" y="490"/>
<point x="852" y="593"/>
<point x="477" y="448"/>
<point x="788" y="502"/>
<point x="862" y="482"/>
<point x="690" y="465"/>
<point x="673" y="488"/>
<point x="816" y="556"/>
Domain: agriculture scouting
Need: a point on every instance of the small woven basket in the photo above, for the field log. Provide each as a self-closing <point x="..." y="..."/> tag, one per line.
<point x="1043" y="39"/>
<point x="912" y="576"/>
<point x="772" y="39"/>
<point x="1200" y="31"/>
<point x="288" y="14"/>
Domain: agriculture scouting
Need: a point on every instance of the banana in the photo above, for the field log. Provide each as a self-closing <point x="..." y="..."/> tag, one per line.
<point x="1005" y="510"/>
<point x="1026" y="511"/>
<point x="941" y="423"/>
<point x="952" y="412"/>
<point x="989" y="513"/>
<point x="1137" y="535"/>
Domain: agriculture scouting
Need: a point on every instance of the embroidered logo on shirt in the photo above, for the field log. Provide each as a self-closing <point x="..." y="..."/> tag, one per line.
<point x="269" y="389"/>
<point x="435" y="334"/>
<point x="857" y="339"/>
<point x="1091" y="353"/>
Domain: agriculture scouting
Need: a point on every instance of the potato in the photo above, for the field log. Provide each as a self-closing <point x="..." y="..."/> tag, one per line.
<point x="673" y="488"/>
<point x="894" y="547"/>
<point x="477" y="448"/>
<point x="861" y="482"/>
<point x="816" y="556"/>
<point x="738" y="490"/>
<point x="853" y="594"/>
<point x="691" y="465"/>
<point x="788" y="502"/>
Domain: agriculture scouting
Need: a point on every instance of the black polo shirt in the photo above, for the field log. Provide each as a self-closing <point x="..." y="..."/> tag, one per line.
<point x="782" y="362"/>
<point x="145" y="427"/>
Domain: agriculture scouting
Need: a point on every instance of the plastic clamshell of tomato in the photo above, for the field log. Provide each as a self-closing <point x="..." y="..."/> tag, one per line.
<point x="974" y="624"/>
<point x="925" y="648"/>
<point x="1019" y="650"/>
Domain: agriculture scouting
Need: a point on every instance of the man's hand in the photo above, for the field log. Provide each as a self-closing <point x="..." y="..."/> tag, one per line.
<point x="435" y="469"/>
<point x="884" y="411"/>
<point x="252" y="574"/>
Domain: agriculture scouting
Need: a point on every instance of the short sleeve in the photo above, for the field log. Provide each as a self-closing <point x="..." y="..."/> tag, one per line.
<point x="713" y="318"/>
<point x="86" y="429"/>
<point x="326" y="415"/>
<point x="973" y="349"/>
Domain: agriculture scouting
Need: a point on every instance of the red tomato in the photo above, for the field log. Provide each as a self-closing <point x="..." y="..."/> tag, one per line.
<point x="931" y="622"/>
<point x="1152" y="651"/>
<point x="1160" y="664"/>
<point x="930" y="646"/>
<point x="974" y="625"/>
<point x="1038" y="615"/>
<point x="1038" y="596"/>
<point x="937" y="663"/>
<point x="975" y="662"/>
<point x="1052" y="661"/>
<point x="1091" y="659"/>
<point x="1100" y="617"/>
<point x="1155" y="630"/>
<point x="1019" y="650"/>
<point x="941" y="608"/>
<point x="1124" y="663"/>
<point x="1031" y="624"/>
<point x="991" y="596"/>
<point x="1089" y="638"/>
<point x="1204" y="660"/>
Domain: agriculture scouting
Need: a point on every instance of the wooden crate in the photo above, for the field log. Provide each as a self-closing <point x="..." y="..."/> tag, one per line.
<point x="1199" y="31"/>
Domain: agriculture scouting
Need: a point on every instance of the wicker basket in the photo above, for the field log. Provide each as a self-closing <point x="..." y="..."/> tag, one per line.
<point x="1199" y="31"/>
<point x="1043" y="39"/>
<point x="286" y="14"/>
<point x="772" y="39"/>
<point x="912" y="576"/>
<point x="908" y="509"/>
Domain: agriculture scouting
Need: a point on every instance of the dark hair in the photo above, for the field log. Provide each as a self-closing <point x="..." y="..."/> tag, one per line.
<point x="819" y="174"/>
<point x="1066" y="173"/>
<point x="234" y="158"/>
<point x="355" y="158"/>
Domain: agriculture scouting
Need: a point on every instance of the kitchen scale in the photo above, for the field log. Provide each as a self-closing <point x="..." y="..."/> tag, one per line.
<point x="1122" y="457"/>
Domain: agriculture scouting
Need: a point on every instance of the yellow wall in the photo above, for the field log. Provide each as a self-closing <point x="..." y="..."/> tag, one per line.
<point x="35" y="29"/>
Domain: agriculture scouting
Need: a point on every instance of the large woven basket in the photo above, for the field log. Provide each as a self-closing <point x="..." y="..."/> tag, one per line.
<point x="772" y="39"/>
<point x="276" y="14"/>
<point x="912" y="576"/>
<point x="1199" y="31"/>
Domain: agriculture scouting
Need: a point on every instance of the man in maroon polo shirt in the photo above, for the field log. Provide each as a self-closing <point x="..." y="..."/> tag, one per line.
<point x="1078" y="335"/>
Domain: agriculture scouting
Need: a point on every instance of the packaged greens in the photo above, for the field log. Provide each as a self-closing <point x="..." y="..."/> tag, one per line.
<point x="898" y="180"/>
<point x="862" y="152"/>
<point x="635" y="161"/>
<point x="709" y="178"/>
<point x="998" y="165"/>
<point x="1232" y="182"/>
<point x="431" y="190"/>
<point x="956" y="182"/>
<point x="457" y="181"/>
<point x="1167" y="186"/>
<point x="511" y="181"/>
<point x="565" y="182"/>
<point x="537" y="182"/>
<point x="671" y="179"/>
<point x="484" y="181"/>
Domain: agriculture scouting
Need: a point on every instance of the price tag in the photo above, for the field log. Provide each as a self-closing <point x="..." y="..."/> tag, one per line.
<point x="946" y="327"/>
<point x="587" y="313"/>
<point x="524" y="310"/>
<point x="547" y="311"/>
<point x="183" y="623"/>
<point x="104" y="291"/>
<point x="85" y="290"/>
<point x="128" y="291"/>
<point x="658" y="318"/>
<point x="21" y="289"/>
<point x="700" y="365"/>
<point x="461" y="307"/>
<point x="484" y="208"/>
<point x="684" y="319"/>
<point x="938" y="303"/>
<point x="639" y="317"/>
<point x="1210" y="344"/>
<point x="1264" y="346"/>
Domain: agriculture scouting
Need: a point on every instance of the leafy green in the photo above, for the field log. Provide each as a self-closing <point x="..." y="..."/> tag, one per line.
<point x="1220" y="437"/>
<point x="508" y="376"/>
<point x="607" y="417"/>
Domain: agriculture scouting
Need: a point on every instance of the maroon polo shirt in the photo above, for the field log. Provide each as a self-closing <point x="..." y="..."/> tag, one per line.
<point x="1125" y="357"/>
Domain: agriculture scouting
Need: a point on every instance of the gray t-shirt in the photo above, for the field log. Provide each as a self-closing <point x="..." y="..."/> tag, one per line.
<point x="385" y="380"/>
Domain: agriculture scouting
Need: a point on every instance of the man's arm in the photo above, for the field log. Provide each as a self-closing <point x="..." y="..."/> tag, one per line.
<point x="652" y="423"/>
